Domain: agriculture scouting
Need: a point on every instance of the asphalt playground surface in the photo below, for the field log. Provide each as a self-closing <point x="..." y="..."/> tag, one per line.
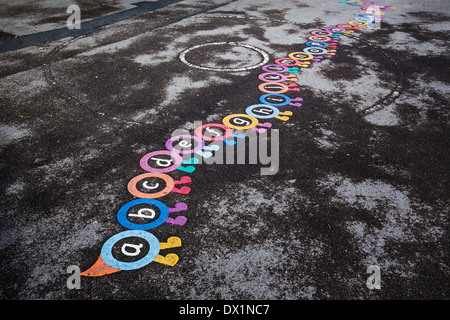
<point x="362" y="177"/>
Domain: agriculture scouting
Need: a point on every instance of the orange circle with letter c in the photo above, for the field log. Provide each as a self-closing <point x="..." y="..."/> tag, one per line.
<point x="132" y="185"/>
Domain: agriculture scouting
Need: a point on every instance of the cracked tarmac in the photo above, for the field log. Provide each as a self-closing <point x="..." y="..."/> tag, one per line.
<point x="363" y="164"/>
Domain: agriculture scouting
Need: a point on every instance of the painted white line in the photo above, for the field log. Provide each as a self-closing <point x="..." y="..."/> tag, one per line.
<point x="261" y="52"/>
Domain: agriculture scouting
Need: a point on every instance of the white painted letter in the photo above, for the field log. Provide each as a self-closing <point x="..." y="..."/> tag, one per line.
<point x="73" y="282"/>
<point x="74" y="21"/>
<point x="136" y="247"/>
<point x="374" y="281"/>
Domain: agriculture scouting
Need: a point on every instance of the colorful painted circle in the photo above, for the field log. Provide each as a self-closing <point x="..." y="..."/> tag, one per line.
<point x="321" y="33"/>
<point x="165" y="164"/>
<point x="199" y="132"/>
<point x="272" y="77"/>
<point x="123" y="220"/>
<point x="153" y="242"/>
<point x="319" y="44"/>
<point x="287" y="62"/>
<point x="275" y="68"/>
<point x="273" y="87"/>
<point x="335" y="30"/>
<point x="262" y="111"/>
<point x="275" y="99"/>
<point x="319" y="38"/>
<point x="240" y="121"/>
<point x="346" y="26"/>
<point x="169" y="144"/>
<point x="315" y="50"/>
<point x="302" y="56"/>
<point x="132" y="185"/>
<point x="358" y="23"/>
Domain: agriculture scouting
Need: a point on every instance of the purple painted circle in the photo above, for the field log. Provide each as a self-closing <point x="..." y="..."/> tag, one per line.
<point x="177" y="161"/>
<point x="335" y="29"/>
<point x="322" y="33"/>
<point x="281" y="77"/>
<point x="267" y="66"/>
<point x="169" y="144"/>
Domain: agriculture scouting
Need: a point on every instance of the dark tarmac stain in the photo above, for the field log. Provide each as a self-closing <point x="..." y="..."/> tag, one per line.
<point x="275" y="14"/>
<point x="87" y="11"/>
<point x="93" y="9"/>
<point x="231" y="12"/>
<point x="422" y="34"/>
<point x="5" y="36"/>
<point x="437" y="67"/>
<point x="20" y="10"/>
<point x="345" y="68"/>
<point x="430" y="17"/>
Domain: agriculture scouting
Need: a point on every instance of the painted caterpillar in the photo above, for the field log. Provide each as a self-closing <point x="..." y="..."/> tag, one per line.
<point x="278" y="80"/>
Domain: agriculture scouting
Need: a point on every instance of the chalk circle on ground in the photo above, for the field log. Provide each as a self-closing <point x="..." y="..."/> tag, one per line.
<point x="229" y="69"/>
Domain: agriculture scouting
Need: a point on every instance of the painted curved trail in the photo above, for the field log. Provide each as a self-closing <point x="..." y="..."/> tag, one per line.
<point x="280" y="97"/>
